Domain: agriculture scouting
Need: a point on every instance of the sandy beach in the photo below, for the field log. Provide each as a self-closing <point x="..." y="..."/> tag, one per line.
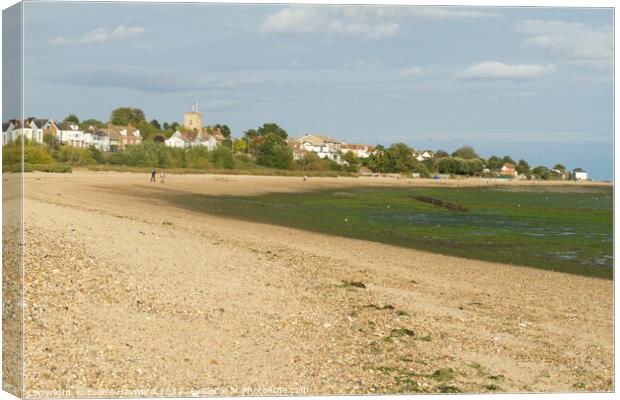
<point x="125" y="291"/>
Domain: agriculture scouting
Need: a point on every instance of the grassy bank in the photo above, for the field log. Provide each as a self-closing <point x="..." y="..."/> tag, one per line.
<point x="567" y="230"/>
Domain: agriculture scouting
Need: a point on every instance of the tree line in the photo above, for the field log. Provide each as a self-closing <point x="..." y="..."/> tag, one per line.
<point x="265" y="146"/>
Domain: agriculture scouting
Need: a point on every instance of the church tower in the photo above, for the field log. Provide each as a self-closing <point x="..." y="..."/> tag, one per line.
<point x="193" y="120"/>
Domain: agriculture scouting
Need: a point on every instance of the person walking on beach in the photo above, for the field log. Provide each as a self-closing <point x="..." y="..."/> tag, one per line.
<point x="162" y="176"/>
<point x="153" y="173"/>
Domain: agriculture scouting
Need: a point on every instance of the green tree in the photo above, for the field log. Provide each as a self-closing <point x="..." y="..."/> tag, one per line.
<point x="273" y="129"/>
<point x="494" y="163"/>
<point x="541" y="172"/>
<point x="400" y="158"/>
<point x="509" y="160"/>
<point x="466" y="152"/>
<point x="240" y="146"/>
<point x="441" y="154"/>
<point x="127" y="115"/>
<point x="274" y="152"/>
<point x="147" y="130"/>
<point x="421" y="168"/>
<point x="523" y="168"/>
<point x="156" y="124"/>
<point x="377" y="161"/>
<point x="352" y="160"/>
<point x="73" y="118"/>
<point x="456" y="166"/>
<point x="249" y="136"/>
<point x="560" y="167"/>
<point x="87" y="123"/>
<point x="224" y="130"/>
<point x="475" y="166"/>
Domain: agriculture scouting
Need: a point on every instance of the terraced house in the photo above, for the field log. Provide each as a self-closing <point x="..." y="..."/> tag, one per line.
<point x="33" y="129"/>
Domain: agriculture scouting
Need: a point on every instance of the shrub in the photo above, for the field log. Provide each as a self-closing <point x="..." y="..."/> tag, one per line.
<point x="222" y="157"/>
<point x="34" y="153"/>
<point x="73" y="155"/>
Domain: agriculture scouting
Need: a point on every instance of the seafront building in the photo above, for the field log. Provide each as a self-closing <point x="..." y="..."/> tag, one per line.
<point x="112" y="138"/>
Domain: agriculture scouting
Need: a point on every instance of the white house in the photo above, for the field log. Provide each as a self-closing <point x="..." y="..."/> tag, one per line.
<point x="88" y="139"/>
<point x="177" y="140"/>
<point x="580" y="175"/>
<point x="185" y="138"/>
<point x="508" y="169"/>
<point x="360" y="150"/>
<point x="38" y="126"/>
<point x="323" y="146"/>
<point x="100" y="139"/>
<point x="211" y="143"/>
<point x="33" y="129"/>
<point x="69" y="133"/>
<point x="423" y="155"/>
<point x="7" y="132"/>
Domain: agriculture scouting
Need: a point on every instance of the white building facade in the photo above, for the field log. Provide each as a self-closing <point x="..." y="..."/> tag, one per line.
<point x="323" y="146"/>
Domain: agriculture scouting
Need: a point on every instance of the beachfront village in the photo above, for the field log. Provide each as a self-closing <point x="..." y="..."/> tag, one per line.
<point x="128" y="139"/>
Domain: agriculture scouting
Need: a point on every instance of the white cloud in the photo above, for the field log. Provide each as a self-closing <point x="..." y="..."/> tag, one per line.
<point x="366" y="21"/>
<point x="411" y="72"/>
<point x="498" y="70"/>
<point x="449" y="13"/>
<point x="568" y="40"/>
<point x="327" y="20"/>
<point x="100" y="35"/>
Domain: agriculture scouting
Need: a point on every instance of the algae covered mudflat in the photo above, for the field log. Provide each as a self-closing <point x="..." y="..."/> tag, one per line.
<point x="565" y="229"/>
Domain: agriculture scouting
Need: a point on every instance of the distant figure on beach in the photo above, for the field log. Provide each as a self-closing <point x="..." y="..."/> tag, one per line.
<point x="162" y="176"/>
<point x="153" y="174"/>
<point x="305" y="178"/>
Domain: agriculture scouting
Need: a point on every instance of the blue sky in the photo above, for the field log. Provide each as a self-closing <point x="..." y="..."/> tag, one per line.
<point x="535" y="83"/>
